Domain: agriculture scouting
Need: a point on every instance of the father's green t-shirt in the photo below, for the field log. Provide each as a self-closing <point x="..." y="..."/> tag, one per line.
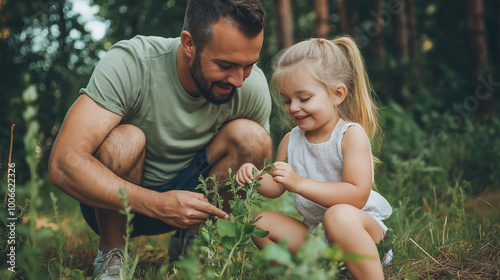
<point x="137" y="79"/>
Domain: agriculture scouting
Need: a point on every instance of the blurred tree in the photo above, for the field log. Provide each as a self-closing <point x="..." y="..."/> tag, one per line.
<point x="128" y="18"/>
<point x="496" y="32"/>
<point x="478" y="52"/>
<point x="322" y="18"/>
<point x="380" y="24"/>
<point x="402" y="50"/>
<point x="345" y="26"/>
<point x="45" y="45"/>
<point x="285" y="23"/>
<point x="413" y="32"/>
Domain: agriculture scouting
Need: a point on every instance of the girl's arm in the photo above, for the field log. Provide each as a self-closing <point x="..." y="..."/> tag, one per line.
<point x="268" y="187"/>
<point x="356" y="175"/>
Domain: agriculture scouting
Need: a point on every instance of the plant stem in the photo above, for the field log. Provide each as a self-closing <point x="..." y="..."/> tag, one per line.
<point x="230" y="256"/>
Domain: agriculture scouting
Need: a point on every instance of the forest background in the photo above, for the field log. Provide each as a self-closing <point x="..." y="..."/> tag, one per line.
<point x="434" y="67"/>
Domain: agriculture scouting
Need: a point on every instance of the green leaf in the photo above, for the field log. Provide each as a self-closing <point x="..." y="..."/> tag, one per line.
<point x="258" y="232"/>
<point x="227" y="243"/>
<point x="205" y="237"/>
<point x="354" y="257"/>
<point x="226" y="228"/>
<point x="239" y="208"/>
<point x="275" y="252"/>
<point x="333" y="253"/>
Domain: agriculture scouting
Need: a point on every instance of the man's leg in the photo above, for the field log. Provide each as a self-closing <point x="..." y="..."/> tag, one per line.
<point x="122" y="152"/>
<point x="238" y="142"/>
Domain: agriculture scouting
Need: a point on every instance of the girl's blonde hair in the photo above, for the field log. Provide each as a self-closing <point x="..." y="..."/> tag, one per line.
<point x="332" y="63"/>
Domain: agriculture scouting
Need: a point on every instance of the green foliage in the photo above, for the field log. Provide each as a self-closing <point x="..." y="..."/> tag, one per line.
<point x="234" y="234"/>
<point x="315" y="260"/>
<point x="58" y="241"/>
<point x="28" y="257"/>
<point x="128" y="268"/>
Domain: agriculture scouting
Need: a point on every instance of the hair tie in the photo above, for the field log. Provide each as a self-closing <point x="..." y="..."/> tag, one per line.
<point x="321" y="40"/>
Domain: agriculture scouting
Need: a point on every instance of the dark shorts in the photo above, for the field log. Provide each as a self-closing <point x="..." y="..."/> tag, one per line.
<point x="144" y="225"/>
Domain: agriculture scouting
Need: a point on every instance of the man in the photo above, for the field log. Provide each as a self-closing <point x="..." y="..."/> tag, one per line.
<point x="156" y="114"/>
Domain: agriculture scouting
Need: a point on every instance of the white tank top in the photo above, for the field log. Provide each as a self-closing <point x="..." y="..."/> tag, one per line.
<point x="323" y="162"/>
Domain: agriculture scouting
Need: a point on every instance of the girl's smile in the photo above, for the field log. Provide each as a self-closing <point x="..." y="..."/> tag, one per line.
<point x="301" y="119"/>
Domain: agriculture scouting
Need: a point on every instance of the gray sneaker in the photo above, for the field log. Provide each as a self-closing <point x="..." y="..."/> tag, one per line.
<point x="180" y="242"/>
<point x="108" y="263"/>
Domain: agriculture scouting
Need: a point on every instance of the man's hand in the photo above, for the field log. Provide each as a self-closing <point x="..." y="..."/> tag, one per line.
<point x="245" y="174"/>
<point x="284" y="174"/>
<point x="185" y="208"/>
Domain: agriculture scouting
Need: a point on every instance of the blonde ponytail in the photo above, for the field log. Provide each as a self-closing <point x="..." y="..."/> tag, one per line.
<point x="358" y="106"/>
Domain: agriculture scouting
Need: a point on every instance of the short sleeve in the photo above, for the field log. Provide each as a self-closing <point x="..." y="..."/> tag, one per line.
<point x="117" y="80"/>
<point x="257" y="98"/>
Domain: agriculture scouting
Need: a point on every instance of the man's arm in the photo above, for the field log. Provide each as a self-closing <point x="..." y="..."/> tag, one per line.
<point x="74" y="169"/>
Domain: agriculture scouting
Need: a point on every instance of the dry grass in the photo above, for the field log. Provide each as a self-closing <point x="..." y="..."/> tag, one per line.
<point x="467" y="263"/>
<point x="463" y="259"/>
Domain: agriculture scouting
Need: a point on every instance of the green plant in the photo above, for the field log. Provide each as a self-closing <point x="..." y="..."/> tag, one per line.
<point x="58" y="239"/>
<point x="30" y="253"/>
<point x="128" y="269"/>
<point x="233" y="234"/>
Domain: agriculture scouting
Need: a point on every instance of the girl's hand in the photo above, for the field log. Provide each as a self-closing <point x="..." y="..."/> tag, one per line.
<point x="284" y="174"/>
<point x="245" y="174"/>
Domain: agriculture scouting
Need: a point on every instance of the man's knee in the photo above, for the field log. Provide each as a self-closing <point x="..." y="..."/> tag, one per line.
<point x="249" y="140"/>
<point x="123" y="149"/>
<point x="122" y="139"/>
<point x="248" y="136"/>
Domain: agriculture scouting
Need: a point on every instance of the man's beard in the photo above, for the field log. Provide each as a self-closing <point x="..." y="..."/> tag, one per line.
<point x="205" y="88"/>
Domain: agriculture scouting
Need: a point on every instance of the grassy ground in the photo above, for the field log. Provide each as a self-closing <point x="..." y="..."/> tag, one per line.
<point x="459" y="241"/>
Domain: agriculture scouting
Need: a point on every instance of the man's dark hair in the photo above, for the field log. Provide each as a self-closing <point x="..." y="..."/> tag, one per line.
<point x="201" y="15"/>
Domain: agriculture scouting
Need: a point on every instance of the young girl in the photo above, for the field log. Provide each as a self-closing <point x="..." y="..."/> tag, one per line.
<point x="326" y="159"/>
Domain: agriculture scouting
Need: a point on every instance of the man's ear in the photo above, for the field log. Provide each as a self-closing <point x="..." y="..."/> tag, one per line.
<point x="187" y="44"/>
<point x="339" y="93"/>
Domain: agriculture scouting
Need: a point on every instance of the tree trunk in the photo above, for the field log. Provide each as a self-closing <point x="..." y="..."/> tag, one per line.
<point x="345" y="27"/>
<point x="402" y="51"/>
<point x="412" y="22"/>
<point x="498" y="34"/>
<point x="379" y="39"/>
<point x="352" y="15"/>
<point x="413" y="45"/>
<point x="478" y="53"/>
<point x="284" y="11"/>
<point x="401" y="32"/>
<point x="322" y="18"/>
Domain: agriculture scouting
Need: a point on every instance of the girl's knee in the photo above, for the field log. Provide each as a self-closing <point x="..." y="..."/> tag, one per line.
<point x="340" y="215"/>
<point x="265" y="220"/>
